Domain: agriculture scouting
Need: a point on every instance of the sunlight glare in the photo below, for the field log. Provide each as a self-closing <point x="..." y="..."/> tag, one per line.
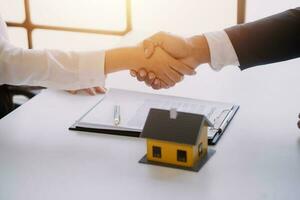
<point x="93" y="14"/>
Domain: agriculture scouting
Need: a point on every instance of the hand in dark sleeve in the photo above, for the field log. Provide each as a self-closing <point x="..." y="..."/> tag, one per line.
<point x="268" y="40"/>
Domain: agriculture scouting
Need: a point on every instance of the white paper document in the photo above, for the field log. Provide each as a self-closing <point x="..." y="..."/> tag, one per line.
<point x="134" y="108"/>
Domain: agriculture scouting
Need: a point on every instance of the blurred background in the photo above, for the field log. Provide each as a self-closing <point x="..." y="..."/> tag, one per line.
<point x="177" y="16"/>
<point x="142" y="18"/>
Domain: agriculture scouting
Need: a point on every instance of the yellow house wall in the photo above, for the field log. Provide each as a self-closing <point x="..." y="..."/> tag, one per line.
<point x="169" y="152"/>
<point x="203" y="138"/>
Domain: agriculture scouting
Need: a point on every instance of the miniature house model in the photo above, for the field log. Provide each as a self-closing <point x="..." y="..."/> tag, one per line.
<point x="176" y="139"/>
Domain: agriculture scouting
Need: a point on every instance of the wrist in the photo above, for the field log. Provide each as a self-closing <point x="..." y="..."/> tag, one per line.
<point x="199" y="49"/>
<point x="122" y="59"/>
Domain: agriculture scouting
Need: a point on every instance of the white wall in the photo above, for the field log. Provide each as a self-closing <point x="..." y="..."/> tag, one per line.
<point x="257" y="9"/>
<point x="183" y="16"/>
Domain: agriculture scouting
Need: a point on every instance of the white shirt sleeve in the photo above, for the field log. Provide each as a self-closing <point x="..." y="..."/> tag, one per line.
<point x="3" y="28"/>
<point x="50" y="68"/>
<point x="221" y="50"/>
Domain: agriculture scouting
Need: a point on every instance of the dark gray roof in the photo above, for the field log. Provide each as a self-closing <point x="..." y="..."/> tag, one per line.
<point x="184" y="129"/>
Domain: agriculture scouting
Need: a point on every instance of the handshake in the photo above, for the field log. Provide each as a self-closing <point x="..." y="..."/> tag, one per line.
<point x="170" y="58"/>
<point x="160" y="61"/>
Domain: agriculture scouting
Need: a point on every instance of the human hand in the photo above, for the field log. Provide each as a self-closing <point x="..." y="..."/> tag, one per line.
<point x="149" y="78"/>
<point x="165" y="67"/>
<point x="191" y="51"/>
<point x="91" y="91"/>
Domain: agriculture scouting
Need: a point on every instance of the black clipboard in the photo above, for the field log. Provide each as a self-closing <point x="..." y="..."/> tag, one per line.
<point x="212" y="140"/>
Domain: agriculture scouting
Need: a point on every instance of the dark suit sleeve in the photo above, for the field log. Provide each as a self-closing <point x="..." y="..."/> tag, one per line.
<point x="272" y="39"/>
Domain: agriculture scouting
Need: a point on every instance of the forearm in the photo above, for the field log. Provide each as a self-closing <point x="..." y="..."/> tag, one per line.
<point x="214" y="48"/>
<point x="123" y="59"/>
<point x="200" y="49"/>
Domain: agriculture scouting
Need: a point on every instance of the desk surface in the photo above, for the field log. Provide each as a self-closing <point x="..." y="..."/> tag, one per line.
<point x="257" y="158"/>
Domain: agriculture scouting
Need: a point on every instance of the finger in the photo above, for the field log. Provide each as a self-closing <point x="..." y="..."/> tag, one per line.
<point x="158" y="39"/>
<point x="90" y="91"/>
<point x="175" y="46"/>
<point x="149" y="48"/>
<point x="165" y="78"/>
<point x="142" y="75"/>
<point x="164" y="85"/>
<point x="298" y="124"/>
<point x="99" y="90"/>
<point x="133" y="73"/>
<point x="72" y="91"/>
<point x="182" y="68"/>
<point x="156" y="85"/>
<point x="175" y="76"/>
<point x="150" y="78"/>
<point x="149" y="82"/>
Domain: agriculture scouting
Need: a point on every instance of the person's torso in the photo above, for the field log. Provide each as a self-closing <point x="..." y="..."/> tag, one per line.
<point x="6" y="104"/>
<point x="3" y="28"/>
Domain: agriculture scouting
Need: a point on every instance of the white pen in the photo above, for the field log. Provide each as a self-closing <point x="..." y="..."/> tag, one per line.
<point x="117" y="115"/>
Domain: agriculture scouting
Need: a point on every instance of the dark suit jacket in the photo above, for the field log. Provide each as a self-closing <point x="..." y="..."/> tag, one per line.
<point x="272" y="39"/>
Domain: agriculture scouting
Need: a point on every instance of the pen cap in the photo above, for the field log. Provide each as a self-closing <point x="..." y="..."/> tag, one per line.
<point x="173" y="113"/>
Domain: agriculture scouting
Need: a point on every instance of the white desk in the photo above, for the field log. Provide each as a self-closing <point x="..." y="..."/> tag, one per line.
<point x="257" y="158"/>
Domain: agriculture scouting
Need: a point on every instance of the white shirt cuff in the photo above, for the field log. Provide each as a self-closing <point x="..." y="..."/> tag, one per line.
<point x="91" y="69"/>
<point x="222" y="52"/>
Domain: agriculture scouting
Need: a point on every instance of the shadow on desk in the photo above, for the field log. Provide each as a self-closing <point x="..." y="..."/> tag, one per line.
<point x="299" y="140"/>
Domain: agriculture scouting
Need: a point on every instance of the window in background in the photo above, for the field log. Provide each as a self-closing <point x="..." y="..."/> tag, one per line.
<point x="12" y="10"/>
<point x="182" y="16"/>
<point x="69" y="22"/>
<point x="72" y="40"/>
<point x="110" y="18"/>
<point x="89" y="14"/>
<point x="177" y="16"/>
<point x="257" y="9"/>
<point x="18" y="36"/>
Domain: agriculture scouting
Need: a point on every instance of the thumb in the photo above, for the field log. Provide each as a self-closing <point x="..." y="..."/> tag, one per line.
<point x="149" y="48"/>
